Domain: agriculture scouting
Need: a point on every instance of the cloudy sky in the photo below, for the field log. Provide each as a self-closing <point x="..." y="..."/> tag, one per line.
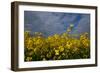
<point x="50" y="23"/>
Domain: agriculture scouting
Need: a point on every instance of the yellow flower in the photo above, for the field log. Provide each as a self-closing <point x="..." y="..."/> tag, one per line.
<point x="29" y="43"/>
<point x="56" y="36"/>
<point x="61" y="48"/>
<point x="75" y="49"/>
<point x="69" y="45"/>
<point x="56" y="52"/>
<point x="28" y="58"/>
<point x="57" y="46"/>
<point x="85" y="43"/>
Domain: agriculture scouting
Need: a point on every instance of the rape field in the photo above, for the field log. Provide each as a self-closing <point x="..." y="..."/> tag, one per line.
<point x="56" y="47"/>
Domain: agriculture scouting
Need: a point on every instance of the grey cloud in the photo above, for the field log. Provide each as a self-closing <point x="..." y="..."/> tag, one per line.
<point x="50" y="23"/>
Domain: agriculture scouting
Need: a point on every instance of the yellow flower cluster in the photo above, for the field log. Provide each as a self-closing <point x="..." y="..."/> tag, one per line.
<point x="56" y="47"/>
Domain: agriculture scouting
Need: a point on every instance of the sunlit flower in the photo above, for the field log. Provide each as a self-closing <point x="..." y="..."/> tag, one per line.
<point x="56" y="52"/>
<point x="61" y="48"/>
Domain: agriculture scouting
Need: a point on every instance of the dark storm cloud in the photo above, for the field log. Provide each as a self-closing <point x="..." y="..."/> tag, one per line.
<point x="50" y="23"/>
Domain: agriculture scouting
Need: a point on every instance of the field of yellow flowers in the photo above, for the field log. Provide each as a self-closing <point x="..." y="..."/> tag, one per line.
<point x="56" y="47"/>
